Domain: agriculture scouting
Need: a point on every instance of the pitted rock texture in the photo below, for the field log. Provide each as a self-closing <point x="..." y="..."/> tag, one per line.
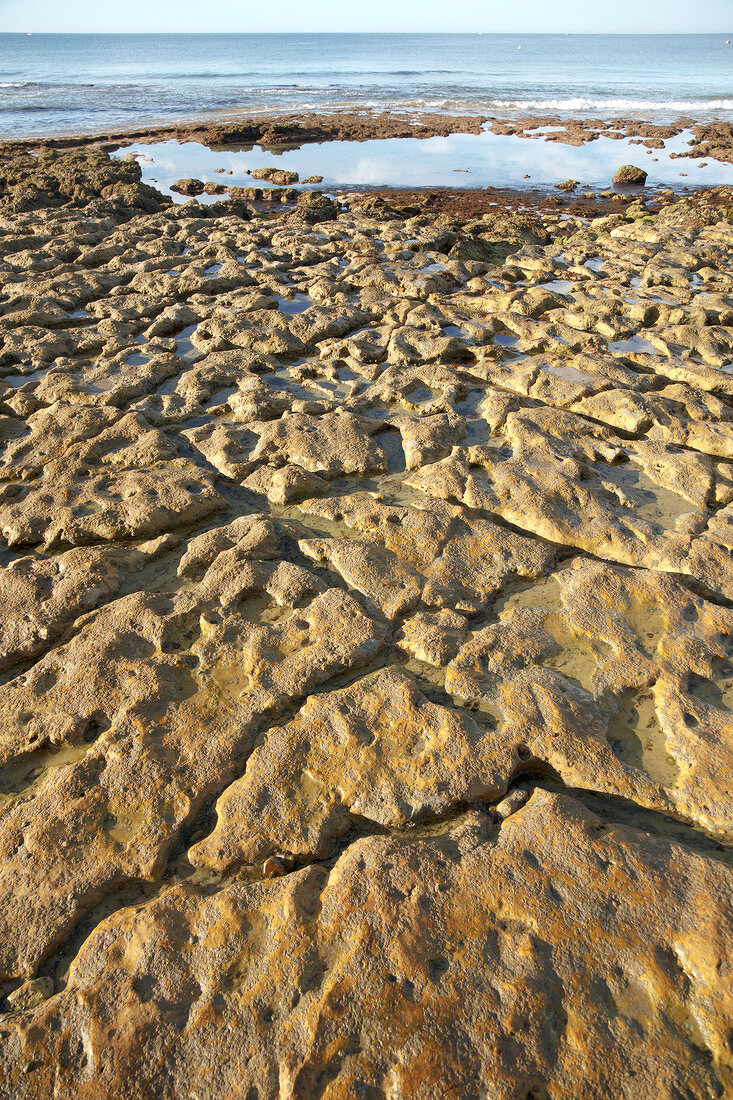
<point x="366" y="724"/>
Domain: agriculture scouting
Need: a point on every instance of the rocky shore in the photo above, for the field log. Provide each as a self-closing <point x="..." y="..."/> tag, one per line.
<point x="367" y="645"/>
<point x="713" y="140"/>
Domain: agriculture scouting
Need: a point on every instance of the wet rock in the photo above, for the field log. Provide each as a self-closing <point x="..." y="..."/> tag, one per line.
<point x="189" y="186"/>
<point x="279" y="176"/>
<point x="312" y="208"/>
<point x="78" y="178"/>
<point x="628" y="175"/>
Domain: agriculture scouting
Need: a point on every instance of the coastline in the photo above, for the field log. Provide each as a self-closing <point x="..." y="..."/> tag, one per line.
<point x="711" y="139"/>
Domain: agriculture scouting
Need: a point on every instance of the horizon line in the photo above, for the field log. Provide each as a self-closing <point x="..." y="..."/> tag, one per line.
<point x="496" y="34"/>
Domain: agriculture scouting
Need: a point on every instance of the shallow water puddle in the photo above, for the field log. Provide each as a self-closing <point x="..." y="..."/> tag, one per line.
<point x="263" y="610"/>
<point x="630" y="345"/>
<point x="418" y="395"/>
<point x="137" y="360"/>
<point x="18" y="380"/>
<point x="320" y="526"/>
<point x="220" y="397"/>
<point x="649" y="500"/>
<point x="505" y="340"/>
<point x="391" y="443"/>
<point x="544" y="593"/>
<point x="577" y="657"/>
<point x="478" y="432"/>
<point x="568" y="374"/>
<point x="297" y="304"/>
<point x="24" y="776"/>
<point x="717" y="692"/>
<point x="345" y="375"/>
<point x="557" y="286"/>
<point x="483" y="159"/>
<point x="184" y="344"/>
<point x="280" y="382"/>
<point x="165" y="389"/>
<point x="649" y="624"/>
<point x="637" y="739"/>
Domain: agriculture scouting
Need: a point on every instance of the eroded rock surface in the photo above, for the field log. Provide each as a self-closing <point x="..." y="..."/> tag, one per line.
<point x="366" y="726"/>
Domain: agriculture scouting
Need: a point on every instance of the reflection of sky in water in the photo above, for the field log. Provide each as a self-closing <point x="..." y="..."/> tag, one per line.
<point x="460" y="160"/>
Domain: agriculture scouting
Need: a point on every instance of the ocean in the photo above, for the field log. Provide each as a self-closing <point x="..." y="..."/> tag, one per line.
<point x="52" y="84"/>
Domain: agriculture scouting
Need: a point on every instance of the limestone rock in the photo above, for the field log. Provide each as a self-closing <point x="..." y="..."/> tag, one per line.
<point x="366" y="643"/>
<point x="406" y="555"/>
<point x="550" y="922"/>
<point x="312" y="208"/>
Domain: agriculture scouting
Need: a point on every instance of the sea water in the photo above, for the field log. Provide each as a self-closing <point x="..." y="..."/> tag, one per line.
<point x="52" y="84"/>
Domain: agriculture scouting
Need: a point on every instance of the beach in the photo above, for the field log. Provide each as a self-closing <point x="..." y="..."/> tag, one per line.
<point x="366" y="719"/>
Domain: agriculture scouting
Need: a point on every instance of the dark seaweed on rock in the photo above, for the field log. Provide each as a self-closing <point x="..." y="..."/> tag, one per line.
<point x="51" y="178"/>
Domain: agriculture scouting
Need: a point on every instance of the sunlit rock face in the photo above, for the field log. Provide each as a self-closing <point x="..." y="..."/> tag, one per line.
<point x="367" y="652"/>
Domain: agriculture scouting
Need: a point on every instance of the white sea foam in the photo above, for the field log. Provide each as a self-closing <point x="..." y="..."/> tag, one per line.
<point x="580" y="104"/>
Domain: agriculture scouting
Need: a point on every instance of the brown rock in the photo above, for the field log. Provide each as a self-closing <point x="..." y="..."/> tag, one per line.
<point x="313" y="208"/>
<point x="628" y="175"/>
<point x="405" y="936"/>
<point x="279" y="176"/>
<point x="189" y="187"/>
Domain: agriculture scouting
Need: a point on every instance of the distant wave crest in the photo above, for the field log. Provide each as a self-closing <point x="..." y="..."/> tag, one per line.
<point x="580" y="104"/>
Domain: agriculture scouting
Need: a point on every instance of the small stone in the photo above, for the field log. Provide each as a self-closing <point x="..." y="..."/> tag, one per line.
<point x="31" y="994"/>
<point x="273" y="867"/>
<point x="509" y="805"/>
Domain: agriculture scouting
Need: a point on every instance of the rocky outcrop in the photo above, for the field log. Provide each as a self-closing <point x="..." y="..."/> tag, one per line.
<point x="366" y="726"/>
<point x="37" y="181"/>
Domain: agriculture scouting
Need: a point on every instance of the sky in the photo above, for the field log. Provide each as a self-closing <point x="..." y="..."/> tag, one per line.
<point x="519" y="16"/>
